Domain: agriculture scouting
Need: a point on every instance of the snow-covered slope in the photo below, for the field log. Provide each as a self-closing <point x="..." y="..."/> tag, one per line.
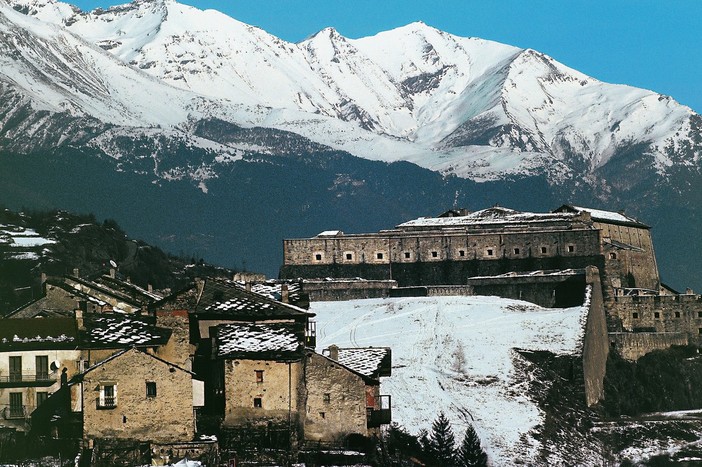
<point x="475" y="108"/>
<point x="427" y="335"/>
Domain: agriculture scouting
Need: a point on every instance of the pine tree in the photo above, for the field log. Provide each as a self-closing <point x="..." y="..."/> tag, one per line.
<point x="442" y="442"/>
<point x="470" y="453"/>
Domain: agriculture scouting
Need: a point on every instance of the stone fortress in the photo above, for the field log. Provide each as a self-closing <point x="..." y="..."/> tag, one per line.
<point x="539" y="257"/>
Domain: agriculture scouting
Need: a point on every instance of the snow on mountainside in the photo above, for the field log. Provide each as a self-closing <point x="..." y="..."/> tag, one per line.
<point x="488" y="390"/>
<point x="474" y="108"/>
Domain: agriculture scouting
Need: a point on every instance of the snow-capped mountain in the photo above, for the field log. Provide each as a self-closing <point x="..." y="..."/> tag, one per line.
<point x="165" y="93"/>
<point x="467" y="106"/>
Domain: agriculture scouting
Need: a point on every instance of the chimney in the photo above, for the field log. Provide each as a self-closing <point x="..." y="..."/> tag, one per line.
<point x="43" y="278"/>
<point x="334" y="352"/>
<point x="79" y="320"/>
<point x="113" y="272"/>
<point x="149" y="288"/>
<point x="76" y="272"/>
<point x="247" y="284"/>
<point x="284" y="294"/>
<point x="689" y="291"/>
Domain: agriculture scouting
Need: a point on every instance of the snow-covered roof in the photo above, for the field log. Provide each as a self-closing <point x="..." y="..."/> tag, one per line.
<point x="226" y="298"/>
<point x="494" y="216"/>
<point x="330" y="233"/>
<point x="366" y="361"/>
<point x="119" y="331"/>
<point x="258" y="340"/>
<point x="44" y="333"/>
<point x="602" y="215"/>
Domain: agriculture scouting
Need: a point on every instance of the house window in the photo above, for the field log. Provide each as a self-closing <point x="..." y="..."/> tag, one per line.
<point x="434" y="254"/>
<point x="150" y="389"/>
<point x="544" y="250"/>
<point x="326" y="397"/>
<point x="41" y="397"/>
<point x="635" y="315"/>
<point x="16" y="407"/>
<point x="379" y="255"/>
<point x="656" y="315"/>
<point x="677" y="314"/>
<point x="258" y="402"/>
<point x="259" y="376"/>
<point x="516" y="251"/>
<point x="318" y="257"/>
<point x="461" y="253"/>
<point x="571" y="248"/>
<point x="408" y="255"/>
<point x="490" y="252"/>
<point x="42" y="367"/>
<point x="612" y="255"/>
<point x="15" y="368"/>
<point x="108" y="396"/>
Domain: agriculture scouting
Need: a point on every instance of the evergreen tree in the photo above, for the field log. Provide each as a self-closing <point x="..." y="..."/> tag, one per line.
<point x="470" y="453"/>
<point x="442" y="443"/>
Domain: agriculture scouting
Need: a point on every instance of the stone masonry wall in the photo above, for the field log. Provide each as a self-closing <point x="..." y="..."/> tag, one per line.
<point x="280" y="392"/>
<point x="336" y="401"/>
<point x="659" y="313"/>
<point x="634" y="345"/>
<point x="167" y="417"/>
<point x="596" y="342"/>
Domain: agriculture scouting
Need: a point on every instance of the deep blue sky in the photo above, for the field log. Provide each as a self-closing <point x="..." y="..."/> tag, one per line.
<point x="655" y="45"/>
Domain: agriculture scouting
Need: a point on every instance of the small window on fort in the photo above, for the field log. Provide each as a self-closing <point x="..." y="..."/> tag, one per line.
<point x="544" y="250"/>
<point x="150" y="389"/>
<point x="516" y="251"/>
<point x="318" y="257"/>
<point x="490" y="252"/>
<point x="461" y="253"/>
<point x="259" y="376"/>
<point x="677" y="314"/>
<point x="612" y="255"/>
<point x="571" y="248"/>
<point x="699" y="314"/>
<point x="379" y="255"/>
<point x="635" y="315"/>
<point x="326" y="398"/>
<point x="258" y="403"/>
<point x="322" y="415"/>
<point x="349" y="256"/>
<point x="408" y="255"/>
<point x="656" y="314"/>
<point x="434" y="254"/>
<point x="699" y="330"/>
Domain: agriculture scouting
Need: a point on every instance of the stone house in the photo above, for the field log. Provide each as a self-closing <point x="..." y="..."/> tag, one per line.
<point x="33" y="354"/>
<point x="136" y="395"/>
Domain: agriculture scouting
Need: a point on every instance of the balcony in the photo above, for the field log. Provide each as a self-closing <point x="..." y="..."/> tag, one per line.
<point x="17" y="380"/>
<point x="106" y="403"/>
<point x="16" y="412"/>
<point x="381" y="416"/>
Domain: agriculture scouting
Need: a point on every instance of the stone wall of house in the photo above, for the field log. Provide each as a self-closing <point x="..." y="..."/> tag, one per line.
<point x="336" y="401"/>
<point x="178" y="350"/>
<point x="634" y="345"/>
<point x="167" y="417"/>
<point x="346" y="289"/>
<point x="281" y="392"/>
<point x="595" y="342"/>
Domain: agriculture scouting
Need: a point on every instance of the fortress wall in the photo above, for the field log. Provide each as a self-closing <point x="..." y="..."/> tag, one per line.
<point x="633" y="346"/>
<point x="596" y="342"/>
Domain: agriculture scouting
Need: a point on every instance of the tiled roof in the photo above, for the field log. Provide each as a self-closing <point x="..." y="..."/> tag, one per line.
<point x="258" y="340"/>
<point x="366" y="361"/>
<point x="114" y="331"/>
<point x="226" y="298"/>
<point x="272" y="289"/>
<point x="44" y="333"/>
